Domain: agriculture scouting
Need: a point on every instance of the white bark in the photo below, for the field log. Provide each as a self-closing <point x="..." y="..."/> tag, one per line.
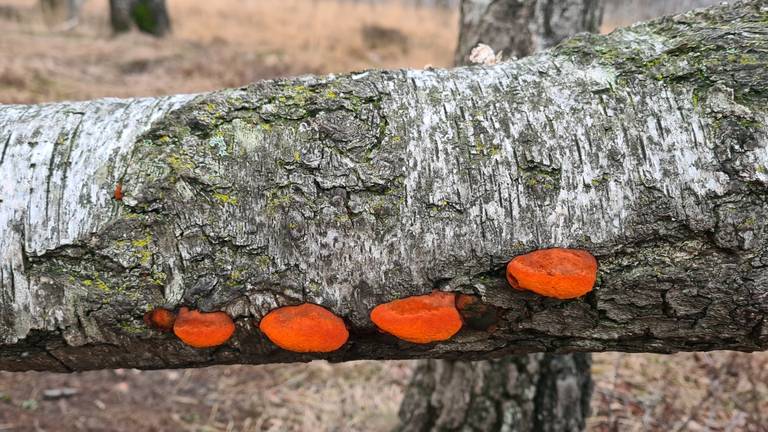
<point x="647" y="147"/>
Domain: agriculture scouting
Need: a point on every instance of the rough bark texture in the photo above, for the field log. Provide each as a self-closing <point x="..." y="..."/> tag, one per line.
<point x="536" y="392"/>
<point x="527" y="393"/>
<point x="648" y="147"/>
<point x="149" y="16"/>
<point x="522" y="27"/>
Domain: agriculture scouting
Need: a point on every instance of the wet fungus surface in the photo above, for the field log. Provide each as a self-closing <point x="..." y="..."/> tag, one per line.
<point x="304" y="328"/>
<point x="203" y="329"/>
<point x="557" y="272"/>
<point x="160" y="319"/>
<point x="419" y="319"/>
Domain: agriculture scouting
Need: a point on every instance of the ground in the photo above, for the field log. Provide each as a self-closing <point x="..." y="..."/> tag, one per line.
<point x="230" y="43"/>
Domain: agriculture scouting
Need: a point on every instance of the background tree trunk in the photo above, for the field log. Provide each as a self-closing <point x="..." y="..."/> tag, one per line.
<point x="61" y="14"/>
<point x="536" y="392"/>
<point x="521" y="27"/>
<point x="149" y="16"/>
<point x="647" y="147"/>
<point x="542" y="392"/>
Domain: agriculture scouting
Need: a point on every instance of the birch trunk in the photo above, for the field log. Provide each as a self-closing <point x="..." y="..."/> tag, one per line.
<point x="647" y="147"/>
<point x="541" y="392"/>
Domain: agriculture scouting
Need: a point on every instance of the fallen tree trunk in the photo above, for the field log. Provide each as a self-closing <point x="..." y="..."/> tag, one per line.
<point x="647" y="147"/>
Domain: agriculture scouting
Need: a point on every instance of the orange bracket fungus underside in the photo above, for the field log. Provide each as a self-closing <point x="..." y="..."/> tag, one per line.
<point x="304" y="328"/>
<point x="160" y="318"/>
<point x="557" y="272"/>
<point x="203" y="329"/>
<point x="419" y="319"/>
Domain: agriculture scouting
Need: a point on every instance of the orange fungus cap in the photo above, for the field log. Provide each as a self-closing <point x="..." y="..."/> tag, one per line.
<point x="160" y="318"/>
<point x="419" y="319"/>
<point x="557" y="272"/>
<point x="203" y="329"/>
<point x="304" y="328"/>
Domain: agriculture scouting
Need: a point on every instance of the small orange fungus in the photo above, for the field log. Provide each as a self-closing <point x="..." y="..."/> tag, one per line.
<point x="559" y="273"/>
<point x="118" y="192"/>
<point x="304" y="328"/>
<point x="476" y="314"/>
<point x="419" y="319"/>
<point x="160" y="318"/>
<point x="203" y="329"/>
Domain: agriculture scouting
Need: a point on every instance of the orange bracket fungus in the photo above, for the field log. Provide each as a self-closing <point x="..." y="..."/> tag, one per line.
<point x="419" y="319"/>
<point x="160" y="318"/>
<point x="557" y="272"/>
<point x="203" y="329"/>
<point x="118" y="192"/>
<point x="304" y="328"/>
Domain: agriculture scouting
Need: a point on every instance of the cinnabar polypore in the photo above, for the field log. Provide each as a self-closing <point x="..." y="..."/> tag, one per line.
<point x="304" y="328"/>
<point x="160" y="318"/>
<point x="419" y="319"/>
<point x="557" y="272"/>
<point x="203" y="329"/>
<point x="118" y="195"/>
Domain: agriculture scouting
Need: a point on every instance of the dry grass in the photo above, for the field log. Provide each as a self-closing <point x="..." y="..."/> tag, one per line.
<point x="225" y="43"/>
<point x="230" y="43"/>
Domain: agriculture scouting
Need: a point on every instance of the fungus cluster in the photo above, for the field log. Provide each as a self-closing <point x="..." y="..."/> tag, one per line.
<point x="557" y="272"/>
<point x="419" y="319"/>
<point x="304" y="328"/>
<point x="309" y="328"/>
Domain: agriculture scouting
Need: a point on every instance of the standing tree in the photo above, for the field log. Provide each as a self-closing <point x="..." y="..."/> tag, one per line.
<point x="521" y="27"/>
<point x="61" y="14"/>
<point x="149" y="16"/>
<point x="541" y="392"/>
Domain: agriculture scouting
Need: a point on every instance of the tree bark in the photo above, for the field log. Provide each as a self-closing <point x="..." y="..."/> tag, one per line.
<point x="149" y="16"/>
<point x="523" y="393"/>
<point x="521" y="27"/>
<point x="647" y="147"/>
<point x="536" y="392"/>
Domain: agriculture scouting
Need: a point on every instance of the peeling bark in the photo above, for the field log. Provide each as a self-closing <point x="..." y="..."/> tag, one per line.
<point x="648" y="147"/>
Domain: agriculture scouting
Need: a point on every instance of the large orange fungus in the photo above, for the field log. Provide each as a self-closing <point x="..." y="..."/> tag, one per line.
<point x="419" y="319"/>
<point x="557" y="272"/>
<point x="304" y="328"/>
<point x="203" y="329"/>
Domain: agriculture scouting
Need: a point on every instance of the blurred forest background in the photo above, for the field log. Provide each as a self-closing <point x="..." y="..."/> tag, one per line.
<point x="226" y="43"/>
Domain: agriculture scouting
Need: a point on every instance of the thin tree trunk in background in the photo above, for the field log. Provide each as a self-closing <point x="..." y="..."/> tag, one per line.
<point x="522" y="27"/>
<point x="149" y="16"/>
<point x="647" y="147"/>
<point x="61" y="14"/>
<point x="541" y="392"/>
